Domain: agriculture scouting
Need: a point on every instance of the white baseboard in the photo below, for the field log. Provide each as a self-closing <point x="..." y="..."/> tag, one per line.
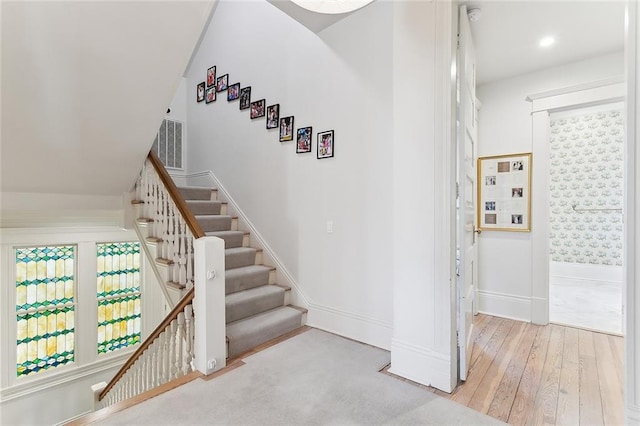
<point x="421" y="365"/>
<point x="73" y="418"/>
<point x="581" y="271"/>
<point x="540" y="310"/>
<point x="207" y="178"/>
<point x="364" y="329"/>
<point x="633" y="415"/>
<point x="179" y="177"/>
<point x="504" y="305"/>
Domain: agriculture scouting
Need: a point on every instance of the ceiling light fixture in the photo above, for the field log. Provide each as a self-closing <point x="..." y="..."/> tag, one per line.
<point x="546" y="41"/>
<point x="332" y="6"/>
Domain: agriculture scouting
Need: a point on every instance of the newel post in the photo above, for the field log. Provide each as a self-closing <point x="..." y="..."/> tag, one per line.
<point x="210" y="349"/>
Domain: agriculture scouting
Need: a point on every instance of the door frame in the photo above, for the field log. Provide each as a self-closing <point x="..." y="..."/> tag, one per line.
<point x="542" y="105"/>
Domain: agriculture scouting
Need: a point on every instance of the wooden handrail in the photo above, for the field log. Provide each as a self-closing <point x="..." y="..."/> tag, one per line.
<point x="192" y="223"/>
<point x="186" y="300"/>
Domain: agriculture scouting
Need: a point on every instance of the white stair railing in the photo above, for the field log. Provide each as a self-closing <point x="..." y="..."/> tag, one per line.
<point x="165" y="355"/>
<point x="180" y="344"/>
<point x="171" y="222"/>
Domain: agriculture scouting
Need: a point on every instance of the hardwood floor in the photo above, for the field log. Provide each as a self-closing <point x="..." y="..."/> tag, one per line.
<point x="525" y="374"/>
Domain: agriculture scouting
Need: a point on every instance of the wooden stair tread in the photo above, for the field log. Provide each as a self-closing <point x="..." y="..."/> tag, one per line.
<point x="164" y="261"/>
<point x="176" y="285"/>
<point x="298" y="308"/>
<point x="137" y="202"/>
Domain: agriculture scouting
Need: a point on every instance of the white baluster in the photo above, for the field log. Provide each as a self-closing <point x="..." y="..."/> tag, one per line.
<point x="180" y="336"/>
<point x="173" y="368"/>
<point x="189" y="335"/>
<point x="154" y="364"/>
<point x="183" y="253"/>
<point x="190" y="278"/>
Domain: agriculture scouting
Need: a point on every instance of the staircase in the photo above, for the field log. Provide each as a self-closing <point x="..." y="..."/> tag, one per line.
<point x="257" y="309"/>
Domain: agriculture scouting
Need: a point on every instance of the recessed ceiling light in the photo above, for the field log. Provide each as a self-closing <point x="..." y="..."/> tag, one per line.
<point x="546" y="41"/>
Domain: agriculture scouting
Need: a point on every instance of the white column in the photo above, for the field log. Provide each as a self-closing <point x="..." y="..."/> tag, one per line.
<point x="423" y="347"/>
<point x="631" y="211"/>
<point x="208" y="305"/>
<point x="540" y="219"/>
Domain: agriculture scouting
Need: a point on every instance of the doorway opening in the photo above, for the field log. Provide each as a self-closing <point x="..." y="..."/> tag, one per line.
<point x="586" y="191"/>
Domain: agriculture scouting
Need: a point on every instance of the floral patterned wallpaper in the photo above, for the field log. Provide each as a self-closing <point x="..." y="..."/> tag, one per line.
<point x="587" y="173"/>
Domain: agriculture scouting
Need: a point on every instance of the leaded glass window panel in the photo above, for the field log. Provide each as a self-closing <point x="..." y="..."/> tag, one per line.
<point x="45" y="293"/>
<point x="118" y="292"/>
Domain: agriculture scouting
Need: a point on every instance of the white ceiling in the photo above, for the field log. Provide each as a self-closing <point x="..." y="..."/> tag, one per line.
<point x="85" y="86"/>
<point x="507" y="34"/>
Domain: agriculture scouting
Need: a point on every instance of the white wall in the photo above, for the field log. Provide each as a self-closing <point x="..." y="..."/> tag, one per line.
<point x="505" y="127"/>
<point x="339" y="79"/>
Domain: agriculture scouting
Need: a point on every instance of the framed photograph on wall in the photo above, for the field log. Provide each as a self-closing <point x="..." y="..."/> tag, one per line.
<point x="211" y="76"/>
<point x="245" y="97"/>
<point x="210" y="95"/>
<point x="257" y="109"/>
<point x="222" y="83"/>
<point x="504" y="193"/>
<point x="303" y="140"/>
<point x="273" y="114"/>
<point x="200" y="92"/>
<point x="233" y="92"/>
<point x="325" y="144"/>
<point x="286" y="129"/>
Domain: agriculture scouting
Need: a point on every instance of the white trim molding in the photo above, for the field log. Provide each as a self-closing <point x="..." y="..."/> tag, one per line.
<point x="362" y="328"/>
<point x="421" y="365"/>
<point x="71" y="374"/>
<point x="504" y="305"/>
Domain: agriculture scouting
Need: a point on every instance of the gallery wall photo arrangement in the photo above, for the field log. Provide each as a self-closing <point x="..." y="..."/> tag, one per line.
<point x="200" y="92"/>
<point x="257" y="108"/>
<point x="210" y="95"/>
<point x="504" y="193"/>
<point x="286" y="129"/>
<point x="233" y="92"/>
<point x="303" y="140"/>
<point x="273" y="114"/>
<point x="222" y="83"/>
<point x="325" y="144"/>
<point x="211" y="76"/>
<point x="245" y="97"/>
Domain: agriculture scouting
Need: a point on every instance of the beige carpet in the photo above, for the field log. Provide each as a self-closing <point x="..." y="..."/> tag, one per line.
<point x="315" y="378"/>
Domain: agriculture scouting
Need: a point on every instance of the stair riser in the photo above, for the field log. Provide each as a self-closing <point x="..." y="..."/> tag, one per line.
<point x="216" y="223"/>
<point x="205" y="208"/>
<point x="255" y="306"/>
<point x="259" y="336"/>
<point x="198" y="193"/>
<point x="250" y="281"/>
<point x="238" y="260"/>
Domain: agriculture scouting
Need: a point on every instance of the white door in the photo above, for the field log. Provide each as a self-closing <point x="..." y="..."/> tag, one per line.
<point x="466" y="226"/>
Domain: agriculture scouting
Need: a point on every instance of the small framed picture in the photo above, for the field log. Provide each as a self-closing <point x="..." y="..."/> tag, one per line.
<point x="211" y="76"/>
<point x="325" y="144"/>
<point x="257" y="108"/>
<point x="504" y="193"/>
<point x="211" y="94"/>
<point x="222" y="83"/>
<point x="286" y="129"/>
<point x="273" y="114"/>
<point x="200" y="92"/>
<point x="303" y="140"/>
<point x="245" y="97"/>
<point x="233" y="92"/>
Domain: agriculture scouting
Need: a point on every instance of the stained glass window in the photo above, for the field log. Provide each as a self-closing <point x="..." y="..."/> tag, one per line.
<point x="118" y="288"/>
<point x="44" y="307"/>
